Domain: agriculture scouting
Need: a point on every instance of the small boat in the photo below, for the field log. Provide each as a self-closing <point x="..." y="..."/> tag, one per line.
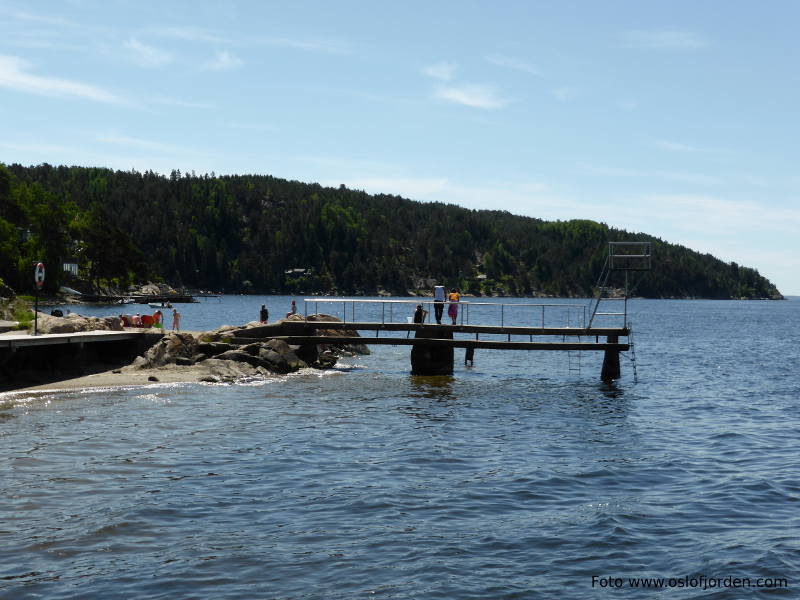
<point x="160" y="305"/>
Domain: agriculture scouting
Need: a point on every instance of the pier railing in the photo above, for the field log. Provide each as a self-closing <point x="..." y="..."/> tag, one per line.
<point x="533" y="314"/>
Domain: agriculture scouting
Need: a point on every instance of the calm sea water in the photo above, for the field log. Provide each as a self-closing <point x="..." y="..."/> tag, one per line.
<point x="521" y="477"/>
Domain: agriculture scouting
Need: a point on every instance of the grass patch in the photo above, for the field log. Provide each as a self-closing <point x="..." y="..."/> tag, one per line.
<point x="17" y="309"/>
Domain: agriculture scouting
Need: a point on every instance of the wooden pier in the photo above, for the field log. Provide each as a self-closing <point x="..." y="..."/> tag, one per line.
<point x="432" y="344"/>
<point x="58" y="355"/>
<point x="15" y="342"/>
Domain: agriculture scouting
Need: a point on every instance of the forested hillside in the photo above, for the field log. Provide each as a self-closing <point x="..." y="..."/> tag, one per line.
<point x="255" y="233"/>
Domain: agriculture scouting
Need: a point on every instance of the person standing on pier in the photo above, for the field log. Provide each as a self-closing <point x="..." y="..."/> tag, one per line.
<point x="263" y="314"/>
<point x="452" y="310"/>
<point x="438" y="302"/>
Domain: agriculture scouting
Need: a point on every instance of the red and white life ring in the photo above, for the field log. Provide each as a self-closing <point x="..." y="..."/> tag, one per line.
<point x="38" y="274"/>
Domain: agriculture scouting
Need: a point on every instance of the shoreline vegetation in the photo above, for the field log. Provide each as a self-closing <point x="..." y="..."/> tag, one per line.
<point x="96" y="229"/>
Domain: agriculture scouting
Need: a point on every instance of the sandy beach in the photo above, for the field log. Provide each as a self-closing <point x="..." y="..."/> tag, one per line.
<point x="115" y="377"/>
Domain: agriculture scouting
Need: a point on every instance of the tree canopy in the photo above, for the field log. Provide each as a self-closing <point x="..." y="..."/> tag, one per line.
<point x="258" y="233"/>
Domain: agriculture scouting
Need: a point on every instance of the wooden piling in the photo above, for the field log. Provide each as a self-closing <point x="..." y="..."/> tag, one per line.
<point x="430" y="359"/>
<point x="610" y="370"/>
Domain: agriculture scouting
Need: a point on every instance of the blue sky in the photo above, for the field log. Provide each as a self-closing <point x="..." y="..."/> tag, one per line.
<point x="677" y="119"/>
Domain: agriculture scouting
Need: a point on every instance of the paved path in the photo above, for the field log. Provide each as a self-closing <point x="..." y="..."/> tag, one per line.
<point x="17" y="340"/>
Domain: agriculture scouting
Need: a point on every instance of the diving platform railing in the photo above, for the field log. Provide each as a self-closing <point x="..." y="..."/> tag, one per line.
<point x="506" y="313"/>
<point x="622" y="257"/>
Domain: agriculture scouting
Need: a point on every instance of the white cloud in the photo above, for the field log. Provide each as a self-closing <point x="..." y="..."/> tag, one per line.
<point x="665" y="40"/>
<point x="133" y="143"/>
<point x="315" y="45"/>
<point x="15" y="75"/>
<point x="633" y="173"/>
<point x="565" y="93"/>
<point x="222" y="61"/>
<point x="710" y="216"/>
<point x="192" y="34"/>
<point x="48" y="20"/>
<point x="672" y="146"/>
<point x="37" y="148"/>
<point x="441" y="70"/>
<point x="147" y="56"/>
<point x="202" y="35"/>
<point x="475" y="96"/>
<point x="512" y="63"/>
<point x="675" y="146"/>
<point x="178" y="103"/>
<point x="612" y="171"/>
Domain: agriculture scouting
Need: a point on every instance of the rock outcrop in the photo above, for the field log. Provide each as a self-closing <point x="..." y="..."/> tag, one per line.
<point x="220" y="361"/>
<point x="333" y="347"/>
<point x="173" y="348"/>
<point x="74" y="323"/>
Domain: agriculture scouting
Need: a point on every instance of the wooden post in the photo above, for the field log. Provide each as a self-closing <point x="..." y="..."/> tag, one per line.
<point x="611" y="369"/>
<point x="432" y="360"/>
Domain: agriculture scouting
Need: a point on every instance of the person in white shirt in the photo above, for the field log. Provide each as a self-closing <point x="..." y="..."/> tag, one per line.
<point x="438" y="302"/>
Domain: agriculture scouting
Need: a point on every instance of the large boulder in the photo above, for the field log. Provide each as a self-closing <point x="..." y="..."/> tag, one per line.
<point x="213" y="348"/>
<point x="279" y="355"/>
<point x="273" y="355"/>
<point x="169" y="349"/>
<point x="333" y="333"/>
<point x="74" y="323"/>
<point x="227" y="371"/>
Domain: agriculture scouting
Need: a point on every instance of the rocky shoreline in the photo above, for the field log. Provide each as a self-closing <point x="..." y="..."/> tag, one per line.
<point x="225" y="355"/>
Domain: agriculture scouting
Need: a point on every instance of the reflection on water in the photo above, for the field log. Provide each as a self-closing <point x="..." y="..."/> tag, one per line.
<point x="437" y="387"/>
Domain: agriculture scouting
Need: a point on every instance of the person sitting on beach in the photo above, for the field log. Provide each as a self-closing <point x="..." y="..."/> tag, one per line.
<point x="137" y="320"/>
<point x="420" y="314"/>
<point x="293" y="311"/>
<point x="158" y="317"/>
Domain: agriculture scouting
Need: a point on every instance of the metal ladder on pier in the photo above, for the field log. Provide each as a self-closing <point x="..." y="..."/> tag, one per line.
<point x="622" y="257"/>
<point x="632" y="357"/>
